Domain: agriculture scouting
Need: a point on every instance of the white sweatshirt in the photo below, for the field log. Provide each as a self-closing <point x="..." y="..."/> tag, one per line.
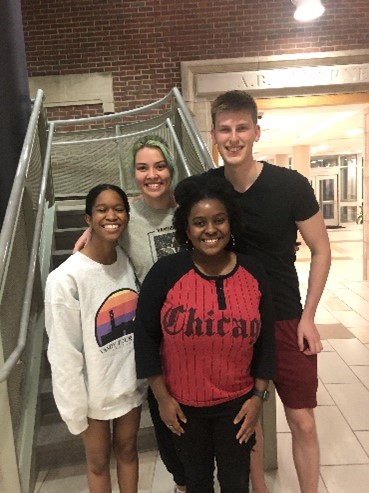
<point x="89" y="315"/>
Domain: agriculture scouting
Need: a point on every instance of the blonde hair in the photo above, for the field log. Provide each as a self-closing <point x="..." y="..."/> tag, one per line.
<point x="153" y="141"/>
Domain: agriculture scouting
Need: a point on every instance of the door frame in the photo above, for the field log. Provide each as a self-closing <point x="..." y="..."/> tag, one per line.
<point x="316" y="181"/>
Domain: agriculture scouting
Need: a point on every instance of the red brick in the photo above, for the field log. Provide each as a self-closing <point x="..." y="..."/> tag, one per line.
<point x="143" y="42"/>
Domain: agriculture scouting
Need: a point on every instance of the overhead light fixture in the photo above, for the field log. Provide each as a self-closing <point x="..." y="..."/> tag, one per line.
<point x="354" y="132"/>
<point x="307" y="10"/>
<point x="320" y="148"/>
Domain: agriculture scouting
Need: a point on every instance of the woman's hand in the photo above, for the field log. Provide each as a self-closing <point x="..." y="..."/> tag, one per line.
<point x="249" y="413"/>
<point x="169" y="409"/>
<point x="82" y="240"/>
<point x="172" y="414"/>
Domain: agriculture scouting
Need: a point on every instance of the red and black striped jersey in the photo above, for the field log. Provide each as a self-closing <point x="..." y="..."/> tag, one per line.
<point x="209" y="336"/>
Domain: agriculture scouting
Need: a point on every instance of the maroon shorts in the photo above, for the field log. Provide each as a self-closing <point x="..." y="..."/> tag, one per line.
<point x="296" y="374"/>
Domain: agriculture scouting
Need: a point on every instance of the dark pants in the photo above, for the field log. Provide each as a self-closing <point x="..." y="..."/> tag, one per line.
<point x="166" y="446"/>
<point x="209" y="433"/>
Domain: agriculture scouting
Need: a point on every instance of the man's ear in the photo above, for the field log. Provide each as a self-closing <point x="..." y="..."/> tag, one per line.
<point x="257" y="133"/>
<point x="212" y="133"/>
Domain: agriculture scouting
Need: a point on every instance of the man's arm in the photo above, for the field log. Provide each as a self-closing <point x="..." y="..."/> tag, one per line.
<point x="315" y="235"/>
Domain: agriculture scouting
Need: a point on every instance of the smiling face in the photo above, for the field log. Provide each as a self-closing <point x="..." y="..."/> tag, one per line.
<point x="152" y="175"/>
<point x="235" y="134"/>
<point x="109" y="216"/>
<point x="208" y="227"/>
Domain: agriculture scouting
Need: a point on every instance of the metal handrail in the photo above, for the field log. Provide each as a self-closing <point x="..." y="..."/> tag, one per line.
<point x="7" y="240"/>
<point x="177" y="145"/>
<point x="104" y="139"/>
<point x="7" y="233"/>
<point x="134" y="111"/>
<point x="183" y="112"/>
<point x="26" y="307"/>
<point x="192" y="127"/>
<point x="16" y="195"/>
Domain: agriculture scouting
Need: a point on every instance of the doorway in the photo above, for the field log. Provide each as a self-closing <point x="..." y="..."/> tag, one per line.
<point x="326" y="192"/>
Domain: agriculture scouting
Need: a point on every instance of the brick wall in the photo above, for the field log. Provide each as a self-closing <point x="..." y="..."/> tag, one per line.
<point x="82" y="111"/>
<point x="142" y="42"/>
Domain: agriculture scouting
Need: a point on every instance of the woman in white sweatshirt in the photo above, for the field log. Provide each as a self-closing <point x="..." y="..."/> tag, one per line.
<point x="90" y="307"/>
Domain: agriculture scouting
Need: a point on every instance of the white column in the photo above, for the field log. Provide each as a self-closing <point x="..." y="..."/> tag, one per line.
<point x="301" y="160"/>
<point x="366" y="198"/>
<point x="202" y="119"/>
<point x="301" y="163"/>
<point x="282" y="160"/>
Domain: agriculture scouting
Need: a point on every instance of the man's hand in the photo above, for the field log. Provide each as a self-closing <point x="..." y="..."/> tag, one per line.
<point x="308" y="338"/>
<point x="82" y="240"/>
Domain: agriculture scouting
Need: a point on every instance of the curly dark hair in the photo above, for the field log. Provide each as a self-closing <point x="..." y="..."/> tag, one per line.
<point x="192" y="190"/>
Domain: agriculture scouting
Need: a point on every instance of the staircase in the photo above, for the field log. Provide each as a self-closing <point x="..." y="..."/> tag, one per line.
<point x="35" y="438"/>
<point x="56" y="446"/>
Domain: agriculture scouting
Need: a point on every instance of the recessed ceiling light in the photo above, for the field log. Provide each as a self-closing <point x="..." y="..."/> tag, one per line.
<point x="321" y="148"/>
<point x="354" y="132"/>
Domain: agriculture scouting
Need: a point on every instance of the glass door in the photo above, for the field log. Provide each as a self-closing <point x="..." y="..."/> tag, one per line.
<point x="326" y="193"/>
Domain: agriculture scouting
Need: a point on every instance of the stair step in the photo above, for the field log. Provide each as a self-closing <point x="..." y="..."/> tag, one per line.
<point x="50" y="412"/>
<point x="68" y="217"/>
<point x="66" y="238"/>
<point x="70" y="199"/>
<point x="60" y="256"/>
<point x="57" y="447"/>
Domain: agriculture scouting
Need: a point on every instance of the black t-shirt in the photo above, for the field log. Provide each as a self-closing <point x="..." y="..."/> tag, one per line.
<point x="271" y="206"/>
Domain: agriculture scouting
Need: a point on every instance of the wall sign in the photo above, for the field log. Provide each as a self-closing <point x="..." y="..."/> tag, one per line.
<point x="292" y="77"/>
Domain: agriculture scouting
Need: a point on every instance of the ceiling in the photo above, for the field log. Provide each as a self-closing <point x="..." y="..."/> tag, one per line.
<point x="326" y="129"/>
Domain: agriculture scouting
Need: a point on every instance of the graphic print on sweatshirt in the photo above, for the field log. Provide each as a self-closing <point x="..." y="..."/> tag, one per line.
<point x="162" y="242"/>
<point x="114" y="321"/>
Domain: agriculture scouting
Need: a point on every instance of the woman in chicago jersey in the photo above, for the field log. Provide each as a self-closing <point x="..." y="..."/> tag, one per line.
<point x="205" y="338"/>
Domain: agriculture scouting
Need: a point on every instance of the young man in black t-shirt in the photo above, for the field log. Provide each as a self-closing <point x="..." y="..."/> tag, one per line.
<point x="276" y="202"/>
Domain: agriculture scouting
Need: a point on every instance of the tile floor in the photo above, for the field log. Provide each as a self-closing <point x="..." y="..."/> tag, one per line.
<point x="343" y="397"/>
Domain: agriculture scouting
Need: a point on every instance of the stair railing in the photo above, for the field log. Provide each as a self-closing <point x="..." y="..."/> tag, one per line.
<point x="19" y="252"/>
<point x="12" y="213"/>
<point x="84" y="145"/>
<point x="179" y="125"/>
<point x="8" y="229"/>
